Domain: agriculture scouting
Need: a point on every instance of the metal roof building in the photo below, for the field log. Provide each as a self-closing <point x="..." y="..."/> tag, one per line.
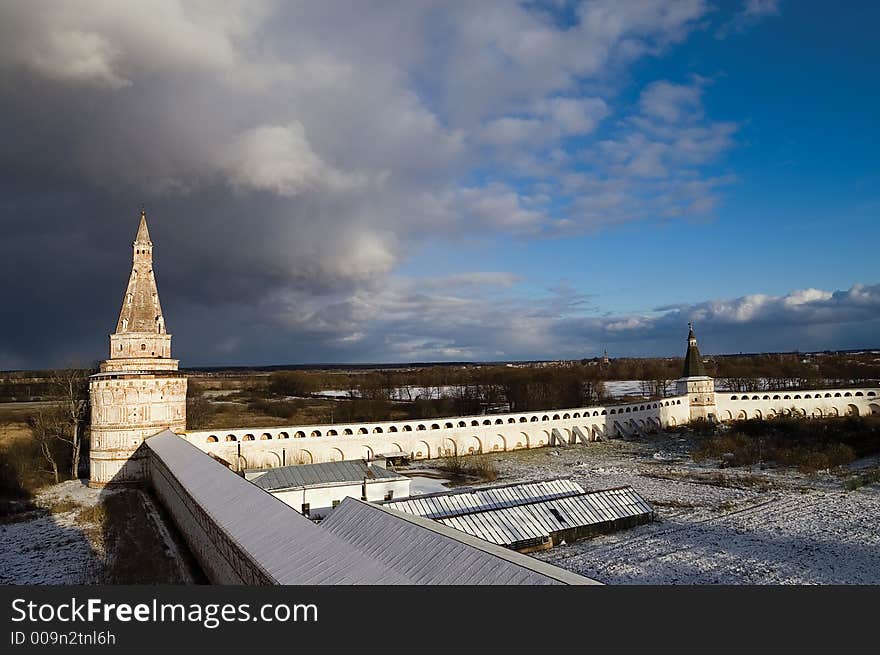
<point x="464" y="501"/>
<point x="534" y="515"/>
<point x="428" y="552"/>
<point x="544" y="523"/>
<point x="242" y="534"/>
<point x="319" y="475"/>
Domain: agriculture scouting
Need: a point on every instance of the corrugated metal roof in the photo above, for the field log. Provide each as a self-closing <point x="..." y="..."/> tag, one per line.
<point x="358" y="544"/>
<point x="428" y="552"/>
<point x="288" y="546"/>
<point x="511" y="514"/>
<point x="315" y="475"/>
<point x="539" y="519"/>
<point x="456" y="503"/>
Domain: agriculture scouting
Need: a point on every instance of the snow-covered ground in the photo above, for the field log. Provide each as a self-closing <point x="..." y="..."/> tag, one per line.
<point x="789" y="538"/>
<point x="62" y="542"/>
<point x="52" y="548"/>
<point x="715" y="526"/>
<point x="424" y="485"/>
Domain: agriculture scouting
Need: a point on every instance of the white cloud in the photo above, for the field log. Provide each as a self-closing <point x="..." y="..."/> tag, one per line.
<point x="751" y="13"/>
<point x="279" y="158"/>
<point x="440" y="319"/>
<point x="671" y="103"/>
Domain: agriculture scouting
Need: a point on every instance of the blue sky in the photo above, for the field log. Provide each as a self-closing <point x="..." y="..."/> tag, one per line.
<point x="353" y="182"/>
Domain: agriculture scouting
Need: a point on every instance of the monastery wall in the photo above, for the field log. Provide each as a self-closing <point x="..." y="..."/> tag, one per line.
<point x="815" y="403"/>
<point x="430" y="438"/>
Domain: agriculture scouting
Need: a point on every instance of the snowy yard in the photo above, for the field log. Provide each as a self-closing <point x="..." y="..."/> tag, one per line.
<point x="79" y="535"/>
<point x="758" y="527"/>
<point x="53" y="547"/>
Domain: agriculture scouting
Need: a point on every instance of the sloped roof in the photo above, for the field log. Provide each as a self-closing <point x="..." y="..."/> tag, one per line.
<point x="693" y="361"/>
<point x="510" y="526"/>
<point x="140" y="305"/>
<point x="287" y="546"/>
<point x="316" y="475"/>
<point x="457" y="502"/>
<point x="428" y="552"/>
<point x="143" y="233"/>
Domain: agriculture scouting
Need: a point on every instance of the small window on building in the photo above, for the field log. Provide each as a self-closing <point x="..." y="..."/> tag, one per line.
<point x="389" y="495"/>
<point x="305" y="509"/>
<point x="143" y="346"/>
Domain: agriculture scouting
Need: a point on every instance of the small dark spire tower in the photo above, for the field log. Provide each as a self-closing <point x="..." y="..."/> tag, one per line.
<point x="695" y="383"/>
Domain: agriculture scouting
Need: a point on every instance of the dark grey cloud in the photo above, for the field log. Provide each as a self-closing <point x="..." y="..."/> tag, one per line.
<point x="292" y="155"/>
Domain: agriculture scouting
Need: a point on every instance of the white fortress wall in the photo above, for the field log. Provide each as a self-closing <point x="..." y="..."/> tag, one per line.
<point x="813" y="403"/>
<point x="431" y="438"/>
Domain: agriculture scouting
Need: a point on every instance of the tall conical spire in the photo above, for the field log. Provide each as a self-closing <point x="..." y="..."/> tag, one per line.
<point x="693" y="361"/>
<point x="140" y="331"/>
<point x="143" y="234"/>
<point x="141" y="310"/>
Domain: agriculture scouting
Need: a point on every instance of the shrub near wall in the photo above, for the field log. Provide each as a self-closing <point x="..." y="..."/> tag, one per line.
<point x="810" y="445"/>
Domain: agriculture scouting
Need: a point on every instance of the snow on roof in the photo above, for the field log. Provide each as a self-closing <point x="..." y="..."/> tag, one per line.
<point x="429" y="552"/>
<point x="521" y="513"/>
<point x="316" y="475"/>
<point x="454" y="503"/>
<point x="538" y="520"/>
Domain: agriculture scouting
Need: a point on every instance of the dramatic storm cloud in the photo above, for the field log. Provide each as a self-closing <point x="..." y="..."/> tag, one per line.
<point x="306" y="166"/>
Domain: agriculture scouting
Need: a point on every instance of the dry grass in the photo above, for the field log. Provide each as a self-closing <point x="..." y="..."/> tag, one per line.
<point x="136" y="554"/>
<point x="265" y="413"/>
<point x="714" y="478"/>
<point x="63" y="506"/>
<point x="12" y="430"/>
<point x="479" y="465"/>
<point x="869" y="477"/>
<point x="482" y="466"/>
<point x="94" y="514"/>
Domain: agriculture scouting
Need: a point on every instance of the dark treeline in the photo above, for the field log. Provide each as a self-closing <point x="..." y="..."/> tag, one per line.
<point x="794" y="371"/>
<point x="451" y="391"/>
<point x="735" y="372"/>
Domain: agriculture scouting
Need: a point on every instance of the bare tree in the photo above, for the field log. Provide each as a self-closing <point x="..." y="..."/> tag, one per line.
<point x="45" y="427"/>
<point x="72" y="387"/>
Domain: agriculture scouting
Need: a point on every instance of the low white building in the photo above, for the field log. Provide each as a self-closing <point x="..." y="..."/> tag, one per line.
<point x="315" y="489"/>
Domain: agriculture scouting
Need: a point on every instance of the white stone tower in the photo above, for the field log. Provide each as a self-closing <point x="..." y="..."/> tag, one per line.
<point x="695" y="384"/>
<point x="139" y="390"/>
